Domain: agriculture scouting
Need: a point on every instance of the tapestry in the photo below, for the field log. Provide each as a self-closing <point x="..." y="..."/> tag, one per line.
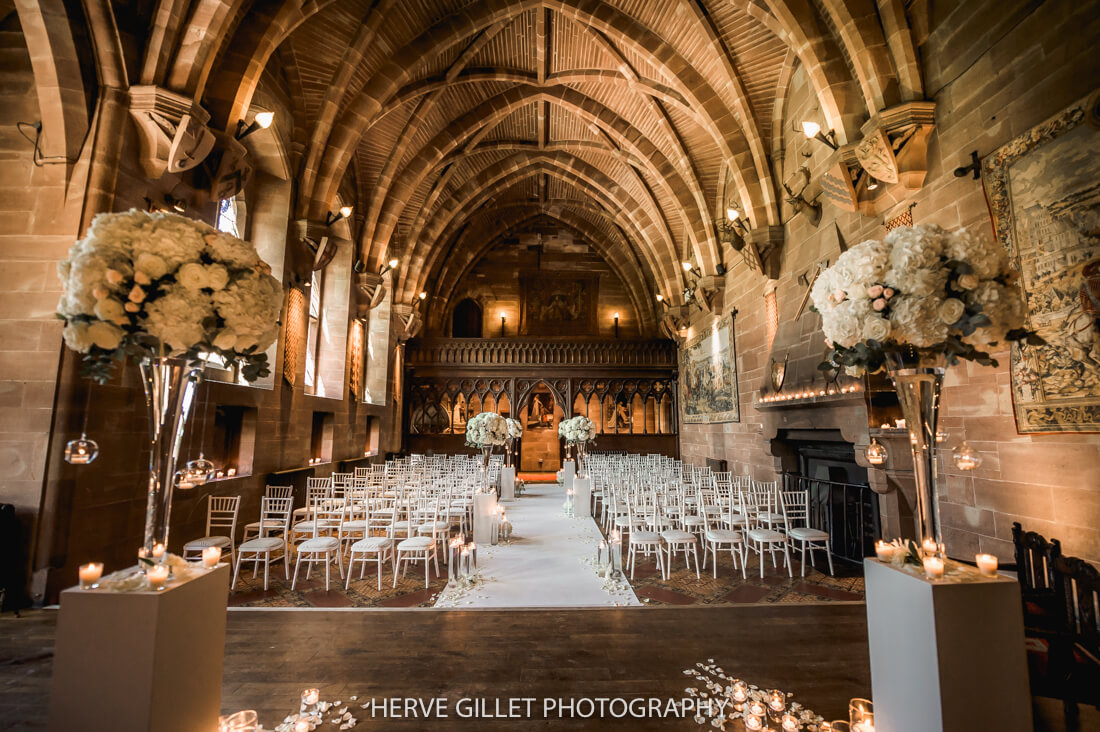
<point x="1043" y="190"/>
<point x="559" y="304"/>
<point x="708" y="376"/>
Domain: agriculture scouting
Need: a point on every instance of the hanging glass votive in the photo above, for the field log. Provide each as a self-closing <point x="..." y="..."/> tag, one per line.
<point x="966" y="457"/>
<point x="82" y="451"/>
<point x="876" y="453"/>
<point x="200" y="470"/>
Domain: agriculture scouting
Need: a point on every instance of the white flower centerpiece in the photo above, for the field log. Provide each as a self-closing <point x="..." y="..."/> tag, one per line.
<point x="515" y="431"/>
<point x="578" y="432"/>
<point x="486" y="431"/>
<point x="919" y="300"/>
<point x="166" y="290"/>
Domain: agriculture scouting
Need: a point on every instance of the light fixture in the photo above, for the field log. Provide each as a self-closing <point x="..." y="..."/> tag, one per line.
<point x="616" y="325"/>
<point x="344" y="212"/>
<point x="872" y="184"/>
<point x="966" y="457"/>
<point x="732" y="225"/>
<point x="503" y="320"/>
<point x="261" y="121"/>
<point x="392" y="264"/>
<point x="423" y="295"/>
<point x="176" y="204"/>
<point x="974" y="168"/>
<point x="876" y="453"/>
<point x="812" y="130"/>
<point x="660" y="297"/>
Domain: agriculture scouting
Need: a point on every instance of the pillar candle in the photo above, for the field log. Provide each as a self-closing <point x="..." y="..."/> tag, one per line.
<point x="211" y="555"/>
<point x="987" y="564"/>
<point x="157" y="576"/>
<point x="933" y="567"/>
<point x="90" y="574"/>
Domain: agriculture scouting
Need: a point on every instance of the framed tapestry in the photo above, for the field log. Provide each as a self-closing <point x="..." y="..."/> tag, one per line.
<point x="1043" y="190"/>
<point x="708" y="376"/>
<point x="559" y="304"/>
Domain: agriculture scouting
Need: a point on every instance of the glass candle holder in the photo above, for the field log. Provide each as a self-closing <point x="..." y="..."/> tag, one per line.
<point x="790" y="723"/>
<point x="310" y="697"/>
<point x="211" y="555"/>
<point x="157" y="576"/>
<point x="245" y="721"/>
<point x="861" y="715"/>
<point x="987" y="564"/>
<point x="884" y="550"/>
<point x="90" y="574"/>
<point x="933" y="568"/>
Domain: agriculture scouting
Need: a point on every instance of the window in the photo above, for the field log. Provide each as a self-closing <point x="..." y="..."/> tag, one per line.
<point x="313" y="333"/>
<point x="229" y="219"/>
<point x="321" y="436"/>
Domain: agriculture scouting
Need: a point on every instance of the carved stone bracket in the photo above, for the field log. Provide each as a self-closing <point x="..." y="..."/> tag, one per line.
<point x="318" y="241"/>
<point x="171" y="130"/>
<point x="763" y="246"/>
<point x="886" y="165"/>
<point x="409" y="318"/>
<point x="370" y="291"/>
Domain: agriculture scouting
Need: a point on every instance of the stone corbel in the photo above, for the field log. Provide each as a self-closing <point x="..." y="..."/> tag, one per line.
<point x="370" y="291"/>
<point x="763" y="246"/>
<point x="676" y="322"/>
<point x="410" y="321"/>
<point x="708" y="293"/>
<point x="172" y="131"/>
<point x="889" y="161"/>
<point x="317" y="242"/>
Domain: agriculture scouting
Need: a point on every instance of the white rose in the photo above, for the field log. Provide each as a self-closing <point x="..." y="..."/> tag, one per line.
<point x="151" y="265"/>
<point x="967" y="281"/>
<point x="217" y="276"/>
<point x="192" y="276"/>
<point x="951" y="310"/>
<point x="225" y="340"/>
<point x="109" y="309"/>
<point x="916" y="247"/>
<point x="876" y="329"/>
<point x="105" y="335"/>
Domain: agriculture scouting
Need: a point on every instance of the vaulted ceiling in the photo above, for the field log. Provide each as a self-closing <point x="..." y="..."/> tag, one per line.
<point x="446" y="123"/>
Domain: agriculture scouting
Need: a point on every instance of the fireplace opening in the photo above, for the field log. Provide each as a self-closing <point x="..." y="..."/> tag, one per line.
<point x="842" y="503"/>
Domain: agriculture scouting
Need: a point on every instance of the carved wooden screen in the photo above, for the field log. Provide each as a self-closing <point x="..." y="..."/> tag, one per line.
<point x="295" y="330"/>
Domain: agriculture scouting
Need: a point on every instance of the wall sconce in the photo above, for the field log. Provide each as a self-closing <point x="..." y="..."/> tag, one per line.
<point x="616" y="325"/>
<point x="331" y="218"/>
<point x="812" y="131"/>
<point x="423" y="295"/>
<point x="503" y="320"/>
<point x="261" y="121"/>
<point x="975" y="167"/>
<point x="176" y="204"/>
<point x="689" y="268"/>
<point x="872" y="184"/>
<point x="392" y="264"/>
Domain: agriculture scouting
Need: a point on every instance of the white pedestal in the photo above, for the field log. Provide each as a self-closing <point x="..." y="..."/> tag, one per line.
<point x="485" y="513"/>
<point x="141" y="660"/>
<point x="582" y="496"/>
<point x="946" y="656"/>
<point x="568" y="472"/>
<point x="508" y="483"/>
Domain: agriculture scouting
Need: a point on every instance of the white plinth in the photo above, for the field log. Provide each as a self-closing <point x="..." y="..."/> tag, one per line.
<point x="568" y="472"/>
<point x="508" y="483"/>
<point x="141" y="660"/>
<point x="946" y="656"/>
<point x="485" y="513"/>
<point x="582" y="496"/>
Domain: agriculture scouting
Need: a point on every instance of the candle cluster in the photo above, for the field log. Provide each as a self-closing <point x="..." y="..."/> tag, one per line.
<point x="609" y="556"/>
<point x="461" y="559"/>
<point x="805" y="393"/>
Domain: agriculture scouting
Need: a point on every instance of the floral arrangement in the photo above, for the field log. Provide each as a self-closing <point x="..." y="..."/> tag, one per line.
<point x="515" y="429"/>
<point x="577" y="430"/>
<point x="142" y="283"/>
<point x="921" y="288"/>
<point x="487" y="429"/>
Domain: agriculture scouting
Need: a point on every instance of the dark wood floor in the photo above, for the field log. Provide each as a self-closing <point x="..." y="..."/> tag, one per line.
<point x="819" y="652"/>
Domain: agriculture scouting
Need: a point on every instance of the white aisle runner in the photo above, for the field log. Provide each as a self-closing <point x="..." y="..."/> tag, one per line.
<point x="544" y="565"/>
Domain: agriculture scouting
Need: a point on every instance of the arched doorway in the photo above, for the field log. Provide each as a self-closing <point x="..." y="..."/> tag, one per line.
<point x="466" y="321"/>
<point x="540" y="449"/>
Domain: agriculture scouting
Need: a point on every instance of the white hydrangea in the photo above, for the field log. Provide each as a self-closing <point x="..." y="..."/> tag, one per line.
<point x="1004" y="306"/>
<point x="176" y="317"/>
<point x="577" y="430"/>
<point x="916" y="321"/>
<point x="174" y="239"/>
<point x="515" y="429"/>
<point x="231" y="250"/>
<point x="250" y="307"/>
<point x="487" y="429"/>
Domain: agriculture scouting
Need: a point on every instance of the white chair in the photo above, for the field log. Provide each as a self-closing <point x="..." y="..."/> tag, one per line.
<point x="221" y="513"/>
<point x="375" y="549"/>
<point x="719" y="539"/>
<point x="419" y="547"/>
<point x="680" y="540"/>
<point x="798" y="512"/>
<point x="275" y="518"/>
<point x="317" y="490"/>
<point x="762" y="536"/>
<point x="278" y="491"/>
<point x="643" y="540"/>
<point x="318" y="549"/>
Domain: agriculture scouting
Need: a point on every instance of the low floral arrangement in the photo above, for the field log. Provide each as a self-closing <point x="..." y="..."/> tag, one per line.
<point x="921" y="289"/>
<point x="487" y="429"/>
<point x="160" y="284"/>
<point x="515" y="429"/>
<point x="577" y="430"/>
<point x="738" y="698"/>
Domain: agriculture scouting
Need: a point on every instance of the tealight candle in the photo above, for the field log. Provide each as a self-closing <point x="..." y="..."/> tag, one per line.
<point x="987" y="564"/>
<point x="211" y="555"/>
<point x="933" y="567"/>
<point x="753" y="722"/>
<point x="929" y="547"/>
<point x="90" y="574"/>
<point x="158" y="552"/>
<point x="777" y="701"/>
<point x="756" y="708"/>
<point x="310" y="697"/>
<point x="790" y="722"/>
<point x="231" y="472"/>
<point x="157" y="576"/>
<point x="884" y="550"/>
<point x="302" y="725"/>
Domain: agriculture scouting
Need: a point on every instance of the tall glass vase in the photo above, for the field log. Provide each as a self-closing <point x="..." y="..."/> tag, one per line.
<point x="582" y="454"/>
<point x="918" y="379"/>
<point x="170" y="386"/>
<point x="486" y="452"/>
<point x="508" y="451"/>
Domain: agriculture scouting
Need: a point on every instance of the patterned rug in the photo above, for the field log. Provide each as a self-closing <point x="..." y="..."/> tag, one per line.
<point x="410" y="591"/>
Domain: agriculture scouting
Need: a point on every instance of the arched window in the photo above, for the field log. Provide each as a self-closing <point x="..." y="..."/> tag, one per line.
<point x="466" y="322"/>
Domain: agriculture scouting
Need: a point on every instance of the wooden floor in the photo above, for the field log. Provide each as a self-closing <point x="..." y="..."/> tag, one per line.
<point x="817" y="652"/>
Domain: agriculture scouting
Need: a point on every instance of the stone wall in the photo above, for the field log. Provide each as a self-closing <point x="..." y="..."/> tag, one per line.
<point x="994" y="71"/>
